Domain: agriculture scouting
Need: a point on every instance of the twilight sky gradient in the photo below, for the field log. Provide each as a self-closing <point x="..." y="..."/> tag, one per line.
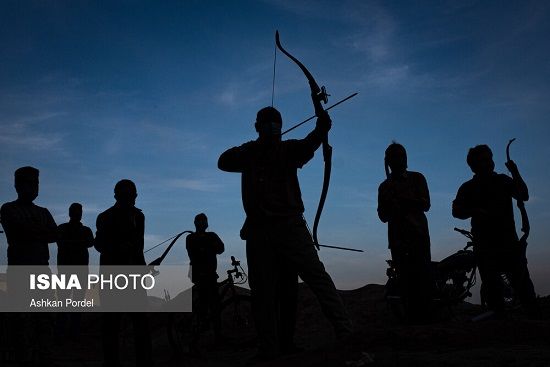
<point x="95" y="91"/>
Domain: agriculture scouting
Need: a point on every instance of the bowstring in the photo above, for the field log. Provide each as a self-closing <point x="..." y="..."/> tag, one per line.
<point x="274" y="68"/>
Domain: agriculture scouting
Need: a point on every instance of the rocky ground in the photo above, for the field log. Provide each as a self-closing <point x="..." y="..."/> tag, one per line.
<point x="380" y="339"/>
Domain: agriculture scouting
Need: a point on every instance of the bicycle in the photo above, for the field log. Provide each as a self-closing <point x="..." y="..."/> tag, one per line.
<point x="235" y="312"/>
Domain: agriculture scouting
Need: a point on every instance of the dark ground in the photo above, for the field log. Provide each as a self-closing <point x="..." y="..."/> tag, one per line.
<point x="452" y="341"/>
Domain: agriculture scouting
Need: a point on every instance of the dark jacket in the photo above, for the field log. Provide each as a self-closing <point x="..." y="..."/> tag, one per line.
<point x="269" y="184"/>
<point x="487" y="200"/>
<point x="29" y="228"/>
<point x="119" y="236"/>
<point x="402" y="202"/>
<point x="73" y="241"/>
<point x="202" y="249"/>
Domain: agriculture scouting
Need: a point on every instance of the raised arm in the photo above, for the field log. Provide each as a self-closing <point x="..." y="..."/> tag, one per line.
<point x="519" y="187"/>
<point x="233" y="159"/>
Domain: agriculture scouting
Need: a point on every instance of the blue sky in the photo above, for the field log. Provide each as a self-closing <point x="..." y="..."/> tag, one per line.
<point x="92" y="92"/>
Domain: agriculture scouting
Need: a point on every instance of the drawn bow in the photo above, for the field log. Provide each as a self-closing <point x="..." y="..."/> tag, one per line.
<point x="318" y="95"/>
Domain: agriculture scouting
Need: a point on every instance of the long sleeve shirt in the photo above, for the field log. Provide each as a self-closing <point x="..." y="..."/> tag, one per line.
<point x="202" y="249"/>
<point x="29" y="229"/>
<point x="269" y="183"/>
<point x="73" y="242"/>
<point x="402" y="202"/>
<point x="120" y="236"/>
<point x="487" y="200"/>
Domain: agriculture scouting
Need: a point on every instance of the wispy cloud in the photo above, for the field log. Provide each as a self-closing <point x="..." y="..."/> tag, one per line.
<point x="206" y="185"/>
<point x="22" y="136"/>
<point x="244" y="90"/>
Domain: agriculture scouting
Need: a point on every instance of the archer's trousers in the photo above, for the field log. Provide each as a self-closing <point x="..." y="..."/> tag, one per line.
<point x="511" y="261"/>
<point x="277" y="249"/>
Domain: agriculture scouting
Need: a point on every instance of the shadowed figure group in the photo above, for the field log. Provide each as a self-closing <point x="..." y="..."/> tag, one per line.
<point x="279" y="245"/>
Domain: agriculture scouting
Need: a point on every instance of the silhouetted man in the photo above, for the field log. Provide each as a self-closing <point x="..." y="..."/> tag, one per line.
<point x="275" y="230"/>
<point x="29" y="229"/>
<point x="403" y="198"/>
<point x="202" y="248"/>
<point x="73" y="241"/>
<point x="487" y="200"/>
<point x="120" y="240"/>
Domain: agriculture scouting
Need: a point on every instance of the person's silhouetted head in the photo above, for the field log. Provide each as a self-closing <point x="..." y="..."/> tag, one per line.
<point x="269" y="124"/>
<point x="125" y="192"/>
<point x="26" y="183"/>
<point x="480" y="160"/>
<point x="75" y="212"/>
<point x="201" y="222"/>
<point x="396" y="158"/>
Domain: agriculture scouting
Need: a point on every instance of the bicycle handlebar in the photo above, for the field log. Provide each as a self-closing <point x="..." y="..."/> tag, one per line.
<point x="235" y="262"/>
<point x="239" y="273"/>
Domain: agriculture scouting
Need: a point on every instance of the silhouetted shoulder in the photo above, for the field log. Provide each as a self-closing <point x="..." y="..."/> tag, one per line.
<point x="467" y="186"/>
<point x="504" y="178"/>
<point x="63" y="226"/>
<point x="236" y="159"/>
<point x="13" y="208"/>
<point x="383" y="185"/>
<point x="299" y="151"/>
<point x="6" y="207"/>
<point x="416" y="175"/>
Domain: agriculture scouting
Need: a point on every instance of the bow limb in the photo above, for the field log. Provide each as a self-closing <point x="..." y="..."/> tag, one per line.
<point x="525" y="226"/>
<point x="318" y="95"/>
<point x="508" y="149"/>
<point x="159" y="260"/>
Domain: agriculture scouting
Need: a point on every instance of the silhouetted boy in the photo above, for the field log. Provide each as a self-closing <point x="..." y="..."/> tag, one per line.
<point x="202" y="248"/>
<point x="73" y="241"/>
<point x="487" y="200"/>
<point x="120" y="240"/>
<point x="403" y="198"/>
<point x="275" y="230"/>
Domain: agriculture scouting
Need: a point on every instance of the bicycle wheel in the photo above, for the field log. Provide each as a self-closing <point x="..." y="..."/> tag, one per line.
<point x="236" y="312"/>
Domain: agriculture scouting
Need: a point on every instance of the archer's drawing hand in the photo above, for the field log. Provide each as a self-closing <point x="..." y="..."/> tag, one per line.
<point x="324" y="123"/>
